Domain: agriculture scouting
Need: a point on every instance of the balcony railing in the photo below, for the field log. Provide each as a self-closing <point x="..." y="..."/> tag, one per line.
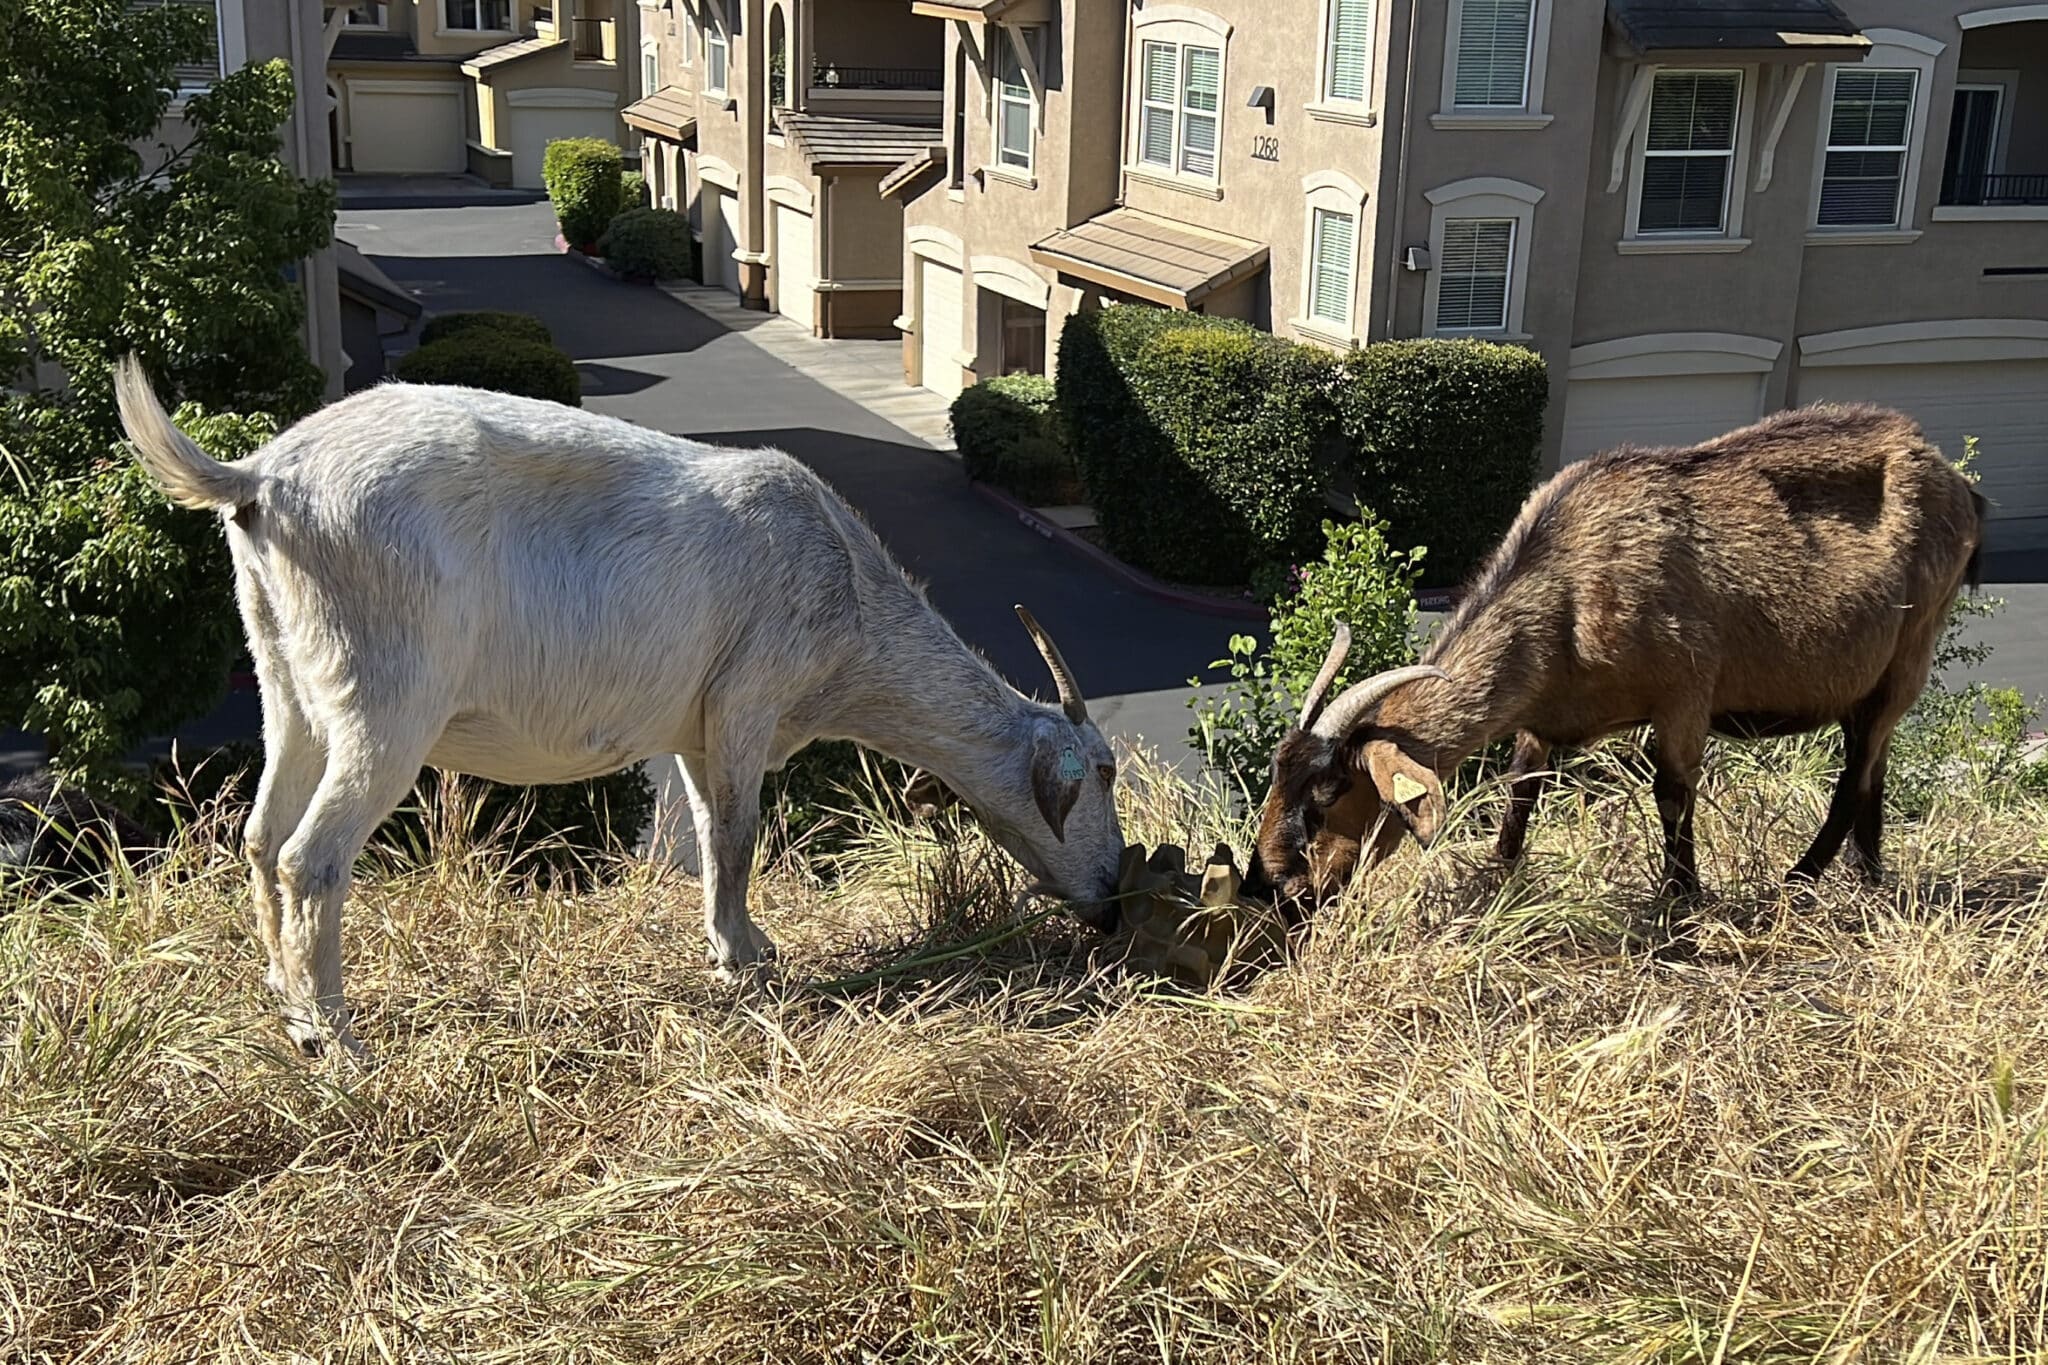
<point x="1997" y="189"/>
<point x="831" y="76"/>
<point x="589" y="39"/>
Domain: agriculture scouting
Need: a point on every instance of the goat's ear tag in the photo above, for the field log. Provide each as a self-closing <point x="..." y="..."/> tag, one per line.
<point x="1406" y="788"/>
<point x="1070" y="766"/>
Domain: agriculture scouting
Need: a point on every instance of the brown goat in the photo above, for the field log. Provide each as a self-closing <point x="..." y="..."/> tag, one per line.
<point x="1790" y="575"/>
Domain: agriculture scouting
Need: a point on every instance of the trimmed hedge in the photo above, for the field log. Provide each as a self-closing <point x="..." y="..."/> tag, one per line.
<point x="1206" y="445"/>
<point x="584" y="178"/>
<point x="1446" y="437"/>
<point x="524" y="326"/>
<point x="1007" y="432"/>
<point x="651" y="244"/>
<point x="481" y="359"/>
<point x="633" y="191"/>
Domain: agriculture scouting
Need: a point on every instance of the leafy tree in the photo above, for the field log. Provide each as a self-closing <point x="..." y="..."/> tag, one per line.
<point x="116" y="617"/>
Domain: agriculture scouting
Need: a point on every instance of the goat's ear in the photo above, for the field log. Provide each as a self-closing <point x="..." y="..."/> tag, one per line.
<point x="927" y="795"/>
<point x="1056" y="777"/>
<point x="1408" y="789"/>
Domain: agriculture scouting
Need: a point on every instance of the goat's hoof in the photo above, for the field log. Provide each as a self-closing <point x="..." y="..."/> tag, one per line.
<point x="313" y="1035"/>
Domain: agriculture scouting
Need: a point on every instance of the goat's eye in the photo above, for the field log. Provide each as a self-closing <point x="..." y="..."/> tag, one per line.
<point x="1326" y="793"/>
<point x="1107" y="772"/>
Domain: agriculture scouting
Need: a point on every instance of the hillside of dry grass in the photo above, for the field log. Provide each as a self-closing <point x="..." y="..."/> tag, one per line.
<point x="1476" y="1119"/>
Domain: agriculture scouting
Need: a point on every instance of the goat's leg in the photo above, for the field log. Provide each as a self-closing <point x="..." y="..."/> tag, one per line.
<point x="1528" y="774"/>
<point x="1681" y="744"/>
<point x="730" y="783"/>
<point x="1846" y="801"/>
<point x="1866" y="837"/>
<point x="372" y="761"/>
<point x="293" y="760"/>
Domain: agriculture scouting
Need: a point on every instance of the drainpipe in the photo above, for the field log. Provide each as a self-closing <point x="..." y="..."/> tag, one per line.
<point x="1401" y="176"/>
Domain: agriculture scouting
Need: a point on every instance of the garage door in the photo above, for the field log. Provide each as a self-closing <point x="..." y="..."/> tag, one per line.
<point x="529" y="128"/>
<point x="2003" y="403"/>
<point x="794" y="280"/>
<point x="721" y="237"/>
<point x="938" y="327"/>
<point x="406" y="128"/>
<point x="1660" y="410"/>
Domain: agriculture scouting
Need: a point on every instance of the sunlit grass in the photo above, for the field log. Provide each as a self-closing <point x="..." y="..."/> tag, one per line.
<point x="1476" y="1119"/>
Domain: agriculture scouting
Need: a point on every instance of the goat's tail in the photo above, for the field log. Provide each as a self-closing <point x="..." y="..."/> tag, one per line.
<point x="187" y="475"/>
<point x="1973" y="572"/>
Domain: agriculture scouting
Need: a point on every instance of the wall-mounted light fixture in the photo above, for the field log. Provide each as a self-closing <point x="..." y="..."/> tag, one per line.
<point x="1262" y="98"/>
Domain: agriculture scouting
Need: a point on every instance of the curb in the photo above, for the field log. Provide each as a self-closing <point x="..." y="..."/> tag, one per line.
<point x="1134" y="578"/>
<point x="596" y="264"/>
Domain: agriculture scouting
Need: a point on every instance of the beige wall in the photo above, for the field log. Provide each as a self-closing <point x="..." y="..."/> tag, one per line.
<point x="864" y="230"/>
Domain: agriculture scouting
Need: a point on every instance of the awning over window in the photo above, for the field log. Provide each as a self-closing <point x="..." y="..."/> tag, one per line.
<point x="908" y="178"/>
<point x="1752" y="30"/>
<point x="670" y="114"/>
<point x="1154" y="258"/>
<point x="506" y="53"/>
<point x="985" y="11"/>
<point x="828" y="140"/>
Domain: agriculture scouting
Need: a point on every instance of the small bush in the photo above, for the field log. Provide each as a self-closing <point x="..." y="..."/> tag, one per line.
<point x="633" y="191"/>
<point x="1205" y="444"/>
<point x="1445" y="439"/>
<point x="805" y="806"/>
<point x="1360" y="580"/>
<point x="483" y="360"/>
<point x="584" y="178"/>
<point x="1007" y="430"/>
<point x="649" y="244"/>
<point x="524" y="326"/>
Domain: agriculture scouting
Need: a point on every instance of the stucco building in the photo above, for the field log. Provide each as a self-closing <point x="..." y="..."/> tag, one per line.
<point x="1696" y="212"/>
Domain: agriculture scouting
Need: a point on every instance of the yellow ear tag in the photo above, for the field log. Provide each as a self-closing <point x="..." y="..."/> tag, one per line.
<point x="1406" y="788"/>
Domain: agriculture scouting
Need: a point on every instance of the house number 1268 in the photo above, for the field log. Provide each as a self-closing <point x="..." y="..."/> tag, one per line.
<point x="1265" y="148"/>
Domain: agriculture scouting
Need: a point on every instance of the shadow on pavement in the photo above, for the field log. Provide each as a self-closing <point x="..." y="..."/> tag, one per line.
<point x="976" y="562"/>
<point x="592" y="318"/>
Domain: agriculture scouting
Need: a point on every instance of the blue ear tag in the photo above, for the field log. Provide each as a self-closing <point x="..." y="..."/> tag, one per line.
<point x="1070" y="766"/>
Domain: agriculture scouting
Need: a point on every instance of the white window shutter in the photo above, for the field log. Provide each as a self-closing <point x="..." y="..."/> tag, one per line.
<point x="1473" y="272"/>
<point x="1493" y="54"/>
<point x="1347" y="60"/>
<point x="1334" y="248"/>
<point x="1201" y="98"/>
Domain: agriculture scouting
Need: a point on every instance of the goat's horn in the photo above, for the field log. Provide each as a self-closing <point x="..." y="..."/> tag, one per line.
<point x="1071" y="700"/>
<point x="1360" y="699"/>
<point x="1313" y="703"/>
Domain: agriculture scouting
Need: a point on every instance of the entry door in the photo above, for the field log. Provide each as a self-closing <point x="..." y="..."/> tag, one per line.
<point x="938" y="327"/>
<point x="795" y="282"/>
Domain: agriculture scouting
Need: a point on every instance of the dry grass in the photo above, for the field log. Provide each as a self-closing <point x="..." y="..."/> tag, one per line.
<point x="1476" y="1119"/>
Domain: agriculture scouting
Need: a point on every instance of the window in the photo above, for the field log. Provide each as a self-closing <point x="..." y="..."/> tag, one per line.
<point x="715" y="51"/>
<point x="650" y="71"/>
<point x="1490" y="69"/>
<point x="1180" y="103"/>
<point x="1021" y="348"/>
<point x="1975" y="150"/>
<point x="689" y="37"/>
<point x="1480" y="237"/>
<point x="1868" y="130"/>
<point x="365" y="16"/>
<point x="1475" y="266"/>
<point x="1347" y="50"/>
<point x="204" y="72"/>
<point x="1332" y="266"/>
<point x="956" y="140"/>
<point x="1013" y="105"/>
<point x="1689" y="152"/>
<point x="484" y="16"/>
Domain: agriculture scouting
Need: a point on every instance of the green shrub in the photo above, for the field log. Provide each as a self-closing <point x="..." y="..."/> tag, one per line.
<point x="633" y="191"/>
<point x="1205" y="444"/>
<point x="1361" y="581"/>
<point x="649" y="244"/>
<point x="583" y="176"/>
<point x="802" y="806"/>
<point x="524" y="326"/>
<point x="1008" y="434"/>
<point x="1446" y="437"/>
<point x="483" y="360"/>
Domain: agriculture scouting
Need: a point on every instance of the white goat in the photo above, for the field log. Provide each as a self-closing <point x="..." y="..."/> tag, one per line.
<point x="531" y="593"/>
